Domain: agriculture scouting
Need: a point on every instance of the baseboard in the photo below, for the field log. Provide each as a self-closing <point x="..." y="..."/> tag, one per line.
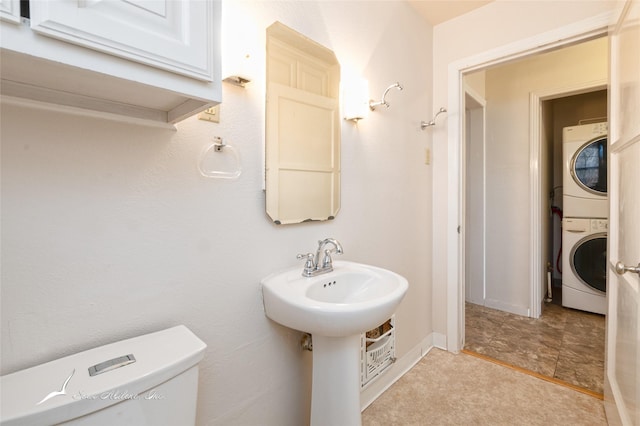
<point x="507" y="307"/>
<point x="373" y="390"/>
<point x="439" y="340"/>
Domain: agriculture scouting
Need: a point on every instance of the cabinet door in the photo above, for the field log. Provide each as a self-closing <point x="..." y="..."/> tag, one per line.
<point x="177" y="36"/>
<point x="10" y="10"/>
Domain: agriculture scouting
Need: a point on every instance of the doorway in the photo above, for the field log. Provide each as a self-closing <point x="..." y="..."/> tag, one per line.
<point x="511" y="174"/>
<point x="511" y="162"/>
<point x="448" y="235"/>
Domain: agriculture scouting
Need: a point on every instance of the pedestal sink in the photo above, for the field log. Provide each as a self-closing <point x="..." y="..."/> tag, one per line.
<point x="335" y="308"/>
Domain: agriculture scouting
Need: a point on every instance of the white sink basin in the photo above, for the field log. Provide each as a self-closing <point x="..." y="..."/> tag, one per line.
<point x="336" y="308"/>
<point x="351" y="299"/>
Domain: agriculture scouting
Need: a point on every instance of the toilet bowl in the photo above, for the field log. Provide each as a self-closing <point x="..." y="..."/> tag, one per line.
<point x="146" y="380"/>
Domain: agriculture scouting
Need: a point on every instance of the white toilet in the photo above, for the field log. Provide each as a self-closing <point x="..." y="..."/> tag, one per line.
<point x="146" y="380"/>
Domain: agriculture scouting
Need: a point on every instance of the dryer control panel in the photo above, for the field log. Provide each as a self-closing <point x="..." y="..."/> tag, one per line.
<point x="599" y="225"/>
<point x="581" y="225"/>
<point x="600" y="128"/>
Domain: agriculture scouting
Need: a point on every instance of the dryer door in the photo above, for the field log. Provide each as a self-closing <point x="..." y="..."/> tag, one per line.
<point x="589" y="166"/>
<point x="589" y="261"/>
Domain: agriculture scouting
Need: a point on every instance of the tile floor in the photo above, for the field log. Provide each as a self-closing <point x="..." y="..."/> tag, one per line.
<point x="460" y="390"/>
<point x="564" y="344"/>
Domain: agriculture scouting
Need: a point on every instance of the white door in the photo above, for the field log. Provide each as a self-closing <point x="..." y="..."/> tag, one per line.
<point x="622" y="361"/>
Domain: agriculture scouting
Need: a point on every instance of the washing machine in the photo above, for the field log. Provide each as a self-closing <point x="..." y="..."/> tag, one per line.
<point x="584" y="264"/>
<point x="584" y="181"/>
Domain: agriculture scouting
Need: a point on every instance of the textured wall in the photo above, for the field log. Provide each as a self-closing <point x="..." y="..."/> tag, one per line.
<point x="109" y="231"/>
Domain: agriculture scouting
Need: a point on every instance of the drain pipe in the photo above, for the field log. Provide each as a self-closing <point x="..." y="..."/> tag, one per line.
<point x="549" y="292"/>
<point x="306" y="342"/>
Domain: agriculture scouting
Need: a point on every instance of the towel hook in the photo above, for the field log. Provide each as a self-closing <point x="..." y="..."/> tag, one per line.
<point x="373" y="105"/>
<point x="424" y="124"/>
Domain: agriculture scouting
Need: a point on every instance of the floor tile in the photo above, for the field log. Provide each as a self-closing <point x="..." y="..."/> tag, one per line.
<point x="563" y="343"/>
<point x="447" y="389"/>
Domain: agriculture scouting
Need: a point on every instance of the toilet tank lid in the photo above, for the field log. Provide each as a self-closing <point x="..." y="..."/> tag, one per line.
<point x="63" y="389"/>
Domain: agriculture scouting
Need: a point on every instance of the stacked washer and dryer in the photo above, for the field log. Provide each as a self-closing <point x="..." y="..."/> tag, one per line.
<point x="585" y="217"/>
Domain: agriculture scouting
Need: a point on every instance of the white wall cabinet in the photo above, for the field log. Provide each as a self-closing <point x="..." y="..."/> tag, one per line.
<point x="157" y="61"/>
<point x="10" y="10"/>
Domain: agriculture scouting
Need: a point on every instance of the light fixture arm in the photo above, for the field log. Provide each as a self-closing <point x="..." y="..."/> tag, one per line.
<point x="373" y="104"/>
<point x="424" y="124"/>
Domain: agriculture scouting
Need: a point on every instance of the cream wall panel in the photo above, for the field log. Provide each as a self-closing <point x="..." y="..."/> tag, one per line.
<point x="283" y="68"/>
<point x="312" y="124"/>
<point x="313" y="79"/>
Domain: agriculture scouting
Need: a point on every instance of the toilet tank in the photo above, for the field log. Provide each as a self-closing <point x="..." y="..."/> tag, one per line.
<point x="146" y="380"/>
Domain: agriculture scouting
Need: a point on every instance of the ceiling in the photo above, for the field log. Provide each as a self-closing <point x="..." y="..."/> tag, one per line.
<point x="438" y="11"/>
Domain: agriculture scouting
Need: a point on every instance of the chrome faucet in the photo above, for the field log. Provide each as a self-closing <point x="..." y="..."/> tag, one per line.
<point x="313" y="266"/>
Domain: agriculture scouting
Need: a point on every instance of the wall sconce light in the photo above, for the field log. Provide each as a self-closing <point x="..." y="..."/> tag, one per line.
<point x="240" y="47"/>
<point x="355" y="95"/>
<point x="238" y="71"/>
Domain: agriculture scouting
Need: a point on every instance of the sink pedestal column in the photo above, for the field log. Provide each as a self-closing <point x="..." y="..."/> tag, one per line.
<point x="335" y="389"/>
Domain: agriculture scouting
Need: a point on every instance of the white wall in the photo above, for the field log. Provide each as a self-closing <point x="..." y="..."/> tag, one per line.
<point x="109" y="231"/>
<point x="485" y="30"/>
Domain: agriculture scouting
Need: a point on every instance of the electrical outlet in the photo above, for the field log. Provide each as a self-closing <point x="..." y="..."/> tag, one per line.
<point x="427" y="156"/>
<point x="211" y="114"/>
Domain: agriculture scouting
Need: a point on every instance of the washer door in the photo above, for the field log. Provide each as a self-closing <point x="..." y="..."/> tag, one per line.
<point x="589" y="261"/>
<point x="589" y="166"/>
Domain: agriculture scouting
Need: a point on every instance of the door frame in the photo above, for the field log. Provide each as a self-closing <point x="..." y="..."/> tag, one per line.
<point x="585" y="30"/>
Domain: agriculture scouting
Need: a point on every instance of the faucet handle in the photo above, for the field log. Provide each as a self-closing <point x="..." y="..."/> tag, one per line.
<point x="309" y="260"/>
<point x="327" y="261"/>
<point x="309" y="264"/>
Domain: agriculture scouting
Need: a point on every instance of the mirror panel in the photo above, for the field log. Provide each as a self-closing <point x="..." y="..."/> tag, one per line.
<point x="302" y="128"/>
